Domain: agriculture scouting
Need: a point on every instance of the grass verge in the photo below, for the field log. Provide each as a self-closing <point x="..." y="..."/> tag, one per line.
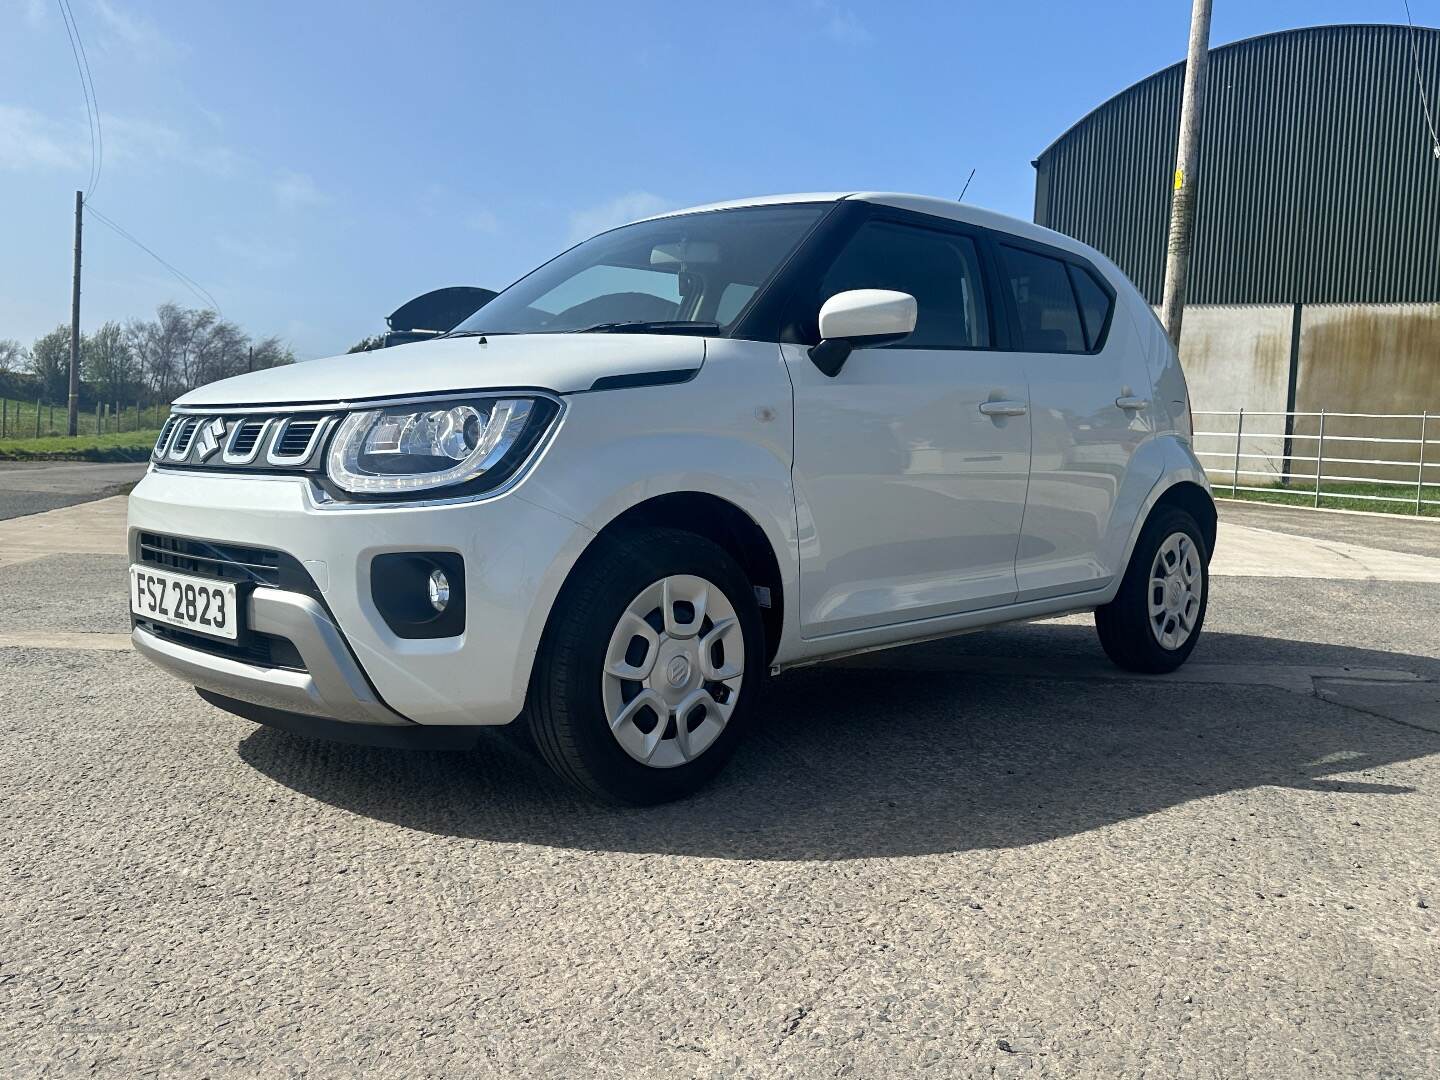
<point x="1333" y="497"/>
<point x="117" y="446"/>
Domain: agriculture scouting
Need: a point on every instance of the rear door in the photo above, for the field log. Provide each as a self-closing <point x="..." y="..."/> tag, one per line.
<point x="909" y="497"/>
<point x="1090" y="411"/>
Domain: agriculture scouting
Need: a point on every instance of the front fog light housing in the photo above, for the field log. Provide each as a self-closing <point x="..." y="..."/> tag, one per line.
<point x="470" y="445"/>
<point x="420" y="594"/>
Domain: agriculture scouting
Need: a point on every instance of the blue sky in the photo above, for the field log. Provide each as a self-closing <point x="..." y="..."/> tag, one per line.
<point x="314" y="164"/>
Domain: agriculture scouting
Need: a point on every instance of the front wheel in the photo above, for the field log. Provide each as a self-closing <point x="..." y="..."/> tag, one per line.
<point x="1154" y="621"/>
<point x="649" y="668"/>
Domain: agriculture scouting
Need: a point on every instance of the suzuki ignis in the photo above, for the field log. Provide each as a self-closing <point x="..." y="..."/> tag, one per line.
<point x="669" y="464"/>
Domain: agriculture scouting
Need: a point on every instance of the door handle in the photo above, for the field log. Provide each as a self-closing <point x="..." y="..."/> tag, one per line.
<point x="1004" y="408"/>
<point x="1132" y="404"/>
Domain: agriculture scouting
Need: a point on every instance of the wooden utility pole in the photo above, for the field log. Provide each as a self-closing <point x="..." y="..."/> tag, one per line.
<point x="1182" y="207"/>
<point x="73" y="427"/>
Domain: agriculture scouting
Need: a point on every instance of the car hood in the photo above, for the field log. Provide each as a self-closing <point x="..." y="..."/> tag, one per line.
<point x="563" y="363"/>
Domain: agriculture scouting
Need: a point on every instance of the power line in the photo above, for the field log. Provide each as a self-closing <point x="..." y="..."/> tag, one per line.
<point x="184" y="278"/>
<point x="1420" y="82"/>
<point x="87" y="88"/>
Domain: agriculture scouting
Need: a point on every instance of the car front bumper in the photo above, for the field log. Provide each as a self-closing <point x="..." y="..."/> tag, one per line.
<point x="353" y="669"/>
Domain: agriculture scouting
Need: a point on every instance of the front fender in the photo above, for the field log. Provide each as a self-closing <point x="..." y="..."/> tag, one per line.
<point x="727" y="433"/>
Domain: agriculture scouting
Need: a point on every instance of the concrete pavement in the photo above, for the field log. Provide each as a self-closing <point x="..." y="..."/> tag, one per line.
<point x="990" y="856"/>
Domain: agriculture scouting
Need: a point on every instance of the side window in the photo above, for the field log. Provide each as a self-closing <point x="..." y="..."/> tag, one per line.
<point x="941" y="270"/>
<point x="1045" y="302"/>
<point x="1095" y="304"/>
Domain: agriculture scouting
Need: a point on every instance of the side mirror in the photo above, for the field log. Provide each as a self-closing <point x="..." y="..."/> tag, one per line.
<point x="861" y="317"/>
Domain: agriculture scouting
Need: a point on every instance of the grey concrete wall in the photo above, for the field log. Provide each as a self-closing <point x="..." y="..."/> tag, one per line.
<point x="1238" y="358"/>
<point x="1353" y="359"/>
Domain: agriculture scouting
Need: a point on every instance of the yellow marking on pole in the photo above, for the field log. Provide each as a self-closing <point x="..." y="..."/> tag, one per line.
<point x="1179" y="179"/>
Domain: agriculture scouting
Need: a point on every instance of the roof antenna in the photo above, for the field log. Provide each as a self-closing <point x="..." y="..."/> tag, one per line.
<point x="967" y="186"/>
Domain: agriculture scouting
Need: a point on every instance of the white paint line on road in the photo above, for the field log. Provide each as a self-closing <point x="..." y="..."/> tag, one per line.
<point x="1245" y="551"/>
<point x="64" y="640"/>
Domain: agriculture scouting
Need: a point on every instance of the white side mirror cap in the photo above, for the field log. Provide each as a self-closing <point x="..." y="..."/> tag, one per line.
<point x="867" y="313"/>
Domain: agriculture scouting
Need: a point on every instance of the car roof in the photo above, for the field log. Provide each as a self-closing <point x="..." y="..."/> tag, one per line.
<point x="920" y="204"/>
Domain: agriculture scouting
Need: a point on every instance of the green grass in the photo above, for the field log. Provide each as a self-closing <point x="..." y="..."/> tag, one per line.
<point x="1333" y="497"/>
<point x="119" y="446"/>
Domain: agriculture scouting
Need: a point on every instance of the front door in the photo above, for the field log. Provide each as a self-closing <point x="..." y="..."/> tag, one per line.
<point x="909" y="496"/>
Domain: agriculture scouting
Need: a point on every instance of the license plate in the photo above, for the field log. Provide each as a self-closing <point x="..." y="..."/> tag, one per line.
<point x="196" y="604"/>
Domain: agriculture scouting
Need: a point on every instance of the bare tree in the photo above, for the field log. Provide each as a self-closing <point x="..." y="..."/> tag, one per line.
<point x="12" y="355"/>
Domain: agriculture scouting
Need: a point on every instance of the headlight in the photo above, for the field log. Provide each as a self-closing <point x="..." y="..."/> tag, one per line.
<point x="476" y="442"/>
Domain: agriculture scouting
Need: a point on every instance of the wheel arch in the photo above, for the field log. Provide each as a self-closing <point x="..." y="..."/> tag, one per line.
<point x="1195" y="501"/>
<point x="716" y="519"/>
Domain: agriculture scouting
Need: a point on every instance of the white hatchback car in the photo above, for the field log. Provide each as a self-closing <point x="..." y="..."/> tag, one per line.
<point x="679" y="458"/>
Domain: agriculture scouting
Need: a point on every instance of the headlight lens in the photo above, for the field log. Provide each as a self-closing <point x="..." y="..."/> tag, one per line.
<point x="415" y="448"/>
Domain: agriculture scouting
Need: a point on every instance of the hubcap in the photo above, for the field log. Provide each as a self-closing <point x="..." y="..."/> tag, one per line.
<point x="1177" y="585"/>
<point x="673" y="671"/>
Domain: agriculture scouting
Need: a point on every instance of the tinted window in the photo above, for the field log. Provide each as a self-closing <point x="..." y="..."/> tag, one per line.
<point x="1045" y="302"/>
<point x="939" y="269"/>
<point x="1094" y="304"/>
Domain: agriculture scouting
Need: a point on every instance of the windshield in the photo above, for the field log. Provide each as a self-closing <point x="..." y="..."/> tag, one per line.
<point x="693" y="273"/>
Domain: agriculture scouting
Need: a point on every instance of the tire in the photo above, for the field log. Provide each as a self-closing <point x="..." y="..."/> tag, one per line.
<point x="1133" y="637"/>
<point x="575" y="694"/>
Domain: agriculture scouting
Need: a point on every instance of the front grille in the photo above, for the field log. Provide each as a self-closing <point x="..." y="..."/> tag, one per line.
<point x="246" y="437"/>
<point x="228" y="562"/>
<point x="166" y="430"/>
<point x="184" y="433"/>
<point x="249" y="442"/>
<point x="295" y="439"/>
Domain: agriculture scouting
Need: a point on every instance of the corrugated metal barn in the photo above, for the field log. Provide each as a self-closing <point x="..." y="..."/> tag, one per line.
<point x="1318" y="181"/>
<point x="1315" y="272"/>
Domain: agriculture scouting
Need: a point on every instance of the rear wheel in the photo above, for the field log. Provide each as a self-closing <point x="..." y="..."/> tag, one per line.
<point x="1154" y="621"/>
<point x="649" y="669"/>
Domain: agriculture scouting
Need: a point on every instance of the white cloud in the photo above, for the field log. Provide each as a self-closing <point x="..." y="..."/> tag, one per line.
<point x="297" y="190"/>
<point x="482" y="221"/>
<point x="30" y="140"/>
<point x="131" y="32"/>
<point x="841" y="23"/>
<point x="618" y="211"/>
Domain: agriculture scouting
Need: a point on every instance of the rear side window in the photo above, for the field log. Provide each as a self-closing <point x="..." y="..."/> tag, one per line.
<point x="1045" y="301"/>
<point x="939" y="269"/>
<point x="1095" y="304"/>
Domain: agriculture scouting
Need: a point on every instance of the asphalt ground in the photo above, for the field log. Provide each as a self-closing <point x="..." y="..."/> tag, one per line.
<point x="990" y="856"/>
<point x="31" y="487"/>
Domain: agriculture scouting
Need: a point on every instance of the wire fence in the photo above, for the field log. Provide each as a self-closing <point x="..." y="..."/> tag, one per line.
<point x="39" y="419"/>
<point x="1384" y="461"/>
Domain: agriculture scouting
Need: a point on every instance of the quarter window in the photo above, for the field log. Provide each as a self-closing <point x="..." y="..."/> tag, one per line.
<point x="1045" y="302"/>
<point x="939" y="269"/>
<point x="1095" y="304"/>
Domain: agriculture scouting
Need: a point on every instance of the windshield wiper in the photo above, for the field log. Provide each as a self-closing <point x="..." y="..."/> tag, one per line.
<point x="477" y="333"/>
<point x="642" y="326"/>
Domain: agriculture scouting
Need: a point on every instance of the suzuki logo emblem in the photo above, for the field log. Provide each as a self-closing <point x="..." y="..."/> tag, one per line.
<point x="208" y="438"/>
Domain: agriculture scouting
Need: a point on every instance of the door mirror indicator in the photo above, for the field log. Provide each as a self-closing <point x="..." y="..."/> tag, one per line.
<point x="861" y="317"/>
